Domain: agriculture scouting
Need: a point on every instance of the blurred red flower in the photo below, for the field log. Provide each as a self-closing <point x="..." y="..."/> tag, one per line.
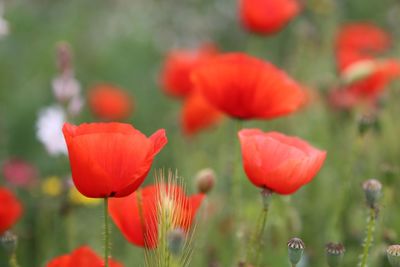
<point x="137" y="214"/>
<point x="267" y="16"/>
<point x="19" y="172"/>
<point x="245" y="87"/>
<point x="360" y="41"/>
<point x="175" y="75"/>
<point x="81" y="257"/>
<point x="109" y="102"/>
<point x="198" y="114"/>
<point x="110" y="159"/>
<point x="278" y="162"/>
<point x="10" y="209"/>
<point x="368" y="88"/>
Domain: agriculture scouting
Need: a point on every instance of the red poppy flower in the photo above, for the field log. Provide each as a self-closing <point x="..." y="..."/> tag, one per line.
<point x="374" y="84"/>
<point x="10" y="209"/>
<point x="368" y="88"/>
<point x="267" y="16"/>
<point x="247" y="88"/>
<point x="81" y="257"/>
<point x="198" y="114"/>
<point x="360" y="41"/>
<point x="137" y="214"/>
<point x="109" y="102"/>
<point x="278" y="162"/>
<point x="110" y="159"/>
<point x="175" y="75"/>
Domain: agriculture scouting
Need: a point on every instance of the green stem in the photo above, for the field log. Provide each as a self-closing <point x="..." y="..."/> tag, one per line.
<point x="13" y="260"/>
<point x="255" y="245"/>
<point x="260" y="235"/>
<point x="106" y="233"/>
<point x="369" y="238"/>
<point x="236" y="188"/>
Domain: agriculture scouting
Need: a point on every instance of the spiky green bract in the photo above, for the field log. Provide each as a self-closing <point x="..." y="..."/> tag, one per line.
<point x="170" y="216"/>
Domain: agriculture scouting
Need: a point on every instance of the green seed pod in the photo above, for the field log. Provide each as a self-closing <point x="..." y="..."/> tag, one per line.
<point x="334" y="254"/>
<point x="372" y="189"/>
<point x="176" y="240"/>
<point x="9" y="242"/>
<point x="368" y="122"/>
<point x="393" y="254"/>
<point x="295" y="250"/>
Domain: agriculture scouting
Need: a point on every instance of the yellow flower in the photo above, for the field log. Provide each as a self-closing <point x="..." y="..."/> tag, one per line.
<point x="52" y="186"/>
<point x="78" y="199"/>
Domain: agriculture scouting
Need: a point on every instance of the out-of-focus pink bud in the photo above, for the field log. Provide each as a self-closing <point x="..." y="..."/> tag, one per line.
<point x="19" y="172"/>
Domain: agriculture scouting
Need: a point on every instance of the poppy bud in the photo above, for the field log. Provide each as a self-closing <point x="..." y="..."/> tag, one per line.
<point x="393" y="254"/>
<point x="9" y="242"/>
<point x="64" y="57"/>
<point x="367" y="122"/>
<point x="205" y="180"/>
<point x="176" y="240"/>
<point x="295" y="250"/>
<point x="334" y="254"/>
<point x="372" y="189"/>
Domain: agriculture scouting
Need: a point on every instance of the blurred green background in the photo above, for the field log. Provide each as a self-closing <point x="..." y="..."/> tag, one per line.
<point x="124" y="42"/>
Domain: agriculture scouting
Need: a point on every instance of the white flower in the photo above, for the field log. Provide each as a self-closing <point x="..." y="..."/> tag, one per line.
<point x="65" y="87"/>
<point x="4" y="29"/>
<point x="49" y="130"/>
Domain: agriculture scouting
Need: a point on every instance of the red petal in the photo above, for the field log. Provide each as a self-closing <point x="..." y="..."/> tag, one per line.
<point x="246" y="87"/>
<point x="10" y="209"/>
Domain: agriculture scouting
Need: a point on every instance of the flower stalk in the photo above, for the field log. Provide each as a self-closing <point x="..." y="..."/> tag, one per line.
<point x="106" y="233"/>
<point x="370" y="236"/>
<point x="372" y="189"/>
<point x="255" y="245"/>
<point x="13" y="260"/>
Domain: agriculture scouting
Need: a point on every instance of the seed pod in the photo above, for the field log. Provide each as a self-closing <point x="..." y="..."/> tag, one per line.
<point x="334" y="254"/>
<point x="176" y="240"/>
<point x="393" y="254"/>
<point x="295" y="250"/>
<point x="9" y="242"/>
<point x="372" y="189"/>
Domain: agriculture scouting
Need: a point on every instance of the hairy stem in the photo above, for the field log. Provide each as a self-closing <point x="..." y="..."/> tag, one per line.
<point x="369" y="238"/>
<point x="255" y="245"/>
<point x="260" y="234"/>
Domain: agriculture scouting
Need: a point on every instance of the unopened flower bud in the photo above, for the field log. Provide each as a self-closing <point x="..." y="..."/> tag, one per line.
<point x="64" y="57"/>
<point x="393" y="254"/>
<point x="205" y="180"/>
<point x="295" y="250"/>
<point x="372" y="189"/>
<point x="334" y="254"/>
<point x="368" y="122"/>
<point x="9" y="242"/>
<point x="176" y="240"/>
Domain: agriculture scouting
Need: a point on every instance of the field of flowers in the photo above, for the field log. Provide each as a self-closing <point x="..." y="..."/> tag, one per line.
<point x="167" y="133"/>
